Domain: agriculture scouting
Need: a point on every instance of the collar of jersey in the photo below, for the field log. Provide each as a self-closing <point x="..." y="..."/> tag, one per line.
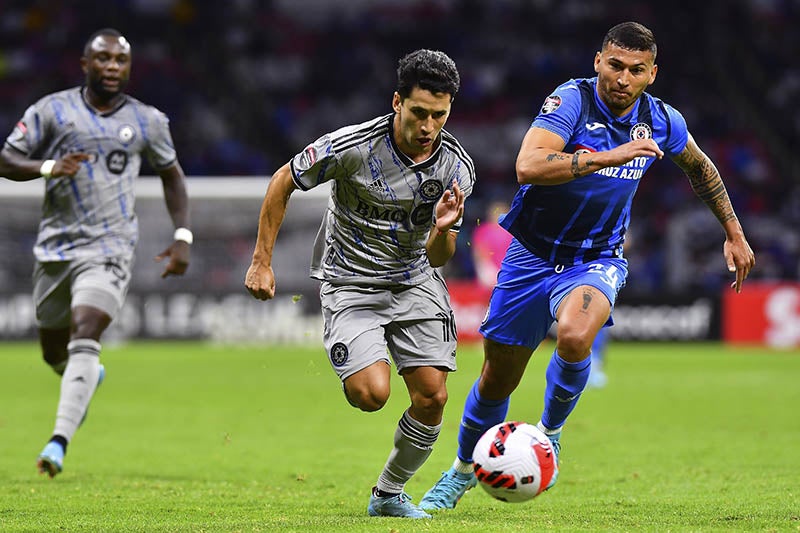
<point x="627" y="118"/>
<point x="122" y="102"/>
<point x="407" y="160"/>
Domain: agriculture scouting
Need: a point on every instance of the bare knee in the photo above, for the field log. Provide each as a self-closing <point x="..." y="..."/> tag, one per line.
<point x="429" y="404"/>
<point x="574" y="344"/>
<point x="368" y="389"/>
<point x="89" y="323"/>
<point x="368" y="399"/>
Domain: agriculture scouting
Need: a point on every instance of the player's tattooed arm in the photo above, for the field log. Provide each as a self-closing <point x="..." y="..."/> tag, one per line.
<point x="579" y="170"/>
<point x="556" y="156"/>
<point x="705" y="181"/>
<point x="576" y="168"/>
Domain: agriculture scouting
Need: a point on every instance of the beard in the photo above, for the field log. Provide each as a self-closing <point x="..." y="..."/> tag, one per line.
<point x="97" y="87"/>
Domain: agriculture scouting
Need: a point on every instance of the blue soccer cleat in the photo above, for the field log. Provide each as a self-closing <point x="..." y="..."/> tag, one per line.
<point x="51" y="460"/>
<point x="398" y="505"/>
<point x="448" y="490"/>
<point x="100" y="377"/>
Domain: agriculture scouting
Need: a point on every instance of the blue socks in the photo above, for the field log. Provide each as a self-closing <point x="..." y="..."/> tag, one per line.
<point x="479" y="415"/>
<point x="565" y="382"/>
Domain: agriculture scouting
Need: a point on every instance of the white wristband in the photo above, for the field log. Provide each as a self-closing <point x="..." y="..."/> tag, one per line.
<point x="46" y="169"/>
<point x="183" y="234"/>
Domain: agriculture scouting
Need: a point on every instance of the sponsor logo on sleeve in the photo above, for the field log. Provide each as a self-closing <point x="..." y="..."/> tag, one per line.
<point x="551" y="103"/>
<point x="307" y="159"/>
<point x="18" y="133"/>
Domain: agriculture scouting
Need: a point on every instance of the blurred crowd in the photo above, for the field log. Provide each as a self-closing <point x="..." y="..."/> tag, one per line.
<point x="247" y="83"/>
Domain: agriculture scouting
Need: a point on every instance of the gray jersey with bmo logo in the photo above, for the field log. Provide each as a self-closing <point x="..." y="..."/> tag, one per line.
<point x="382" y="203"/>
<point x="92" y="213"/>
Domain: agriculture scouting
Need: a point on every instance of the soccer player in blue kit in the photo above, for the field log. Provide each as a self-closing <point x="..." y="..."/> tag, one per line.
<point x="578" y="169"/>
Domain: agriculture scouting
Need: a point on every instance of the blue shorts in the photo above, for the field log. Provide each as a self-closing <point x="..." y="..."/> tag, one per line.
<point x="529" y="290"/>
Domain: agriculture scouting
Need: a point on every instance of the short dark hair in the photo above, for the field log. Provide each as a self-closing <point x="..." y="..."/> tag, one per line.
<point x="631" y="36"/>
<point x="431" y="70"/>
<point x="111" y="32"/>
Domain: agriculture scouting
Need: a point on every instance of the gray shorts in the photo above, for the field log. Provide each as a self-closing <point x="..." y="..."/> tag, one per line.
<point x="363" y="325"/>
<point x="59" y="286"/>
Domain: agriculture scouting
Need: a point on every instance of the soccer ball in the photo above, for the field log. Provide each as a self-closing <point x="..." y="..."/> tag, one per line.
<point x="514" y="461"/>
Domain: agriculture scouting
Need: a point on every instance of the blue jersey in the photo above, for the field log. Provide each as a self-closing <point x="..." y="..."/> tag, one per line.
<point x="586" y="218"/>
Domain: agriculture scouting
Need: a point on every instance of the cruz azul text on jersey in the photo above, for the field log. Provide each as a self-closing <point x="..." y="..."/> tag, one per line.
<point x="631" y="171"/>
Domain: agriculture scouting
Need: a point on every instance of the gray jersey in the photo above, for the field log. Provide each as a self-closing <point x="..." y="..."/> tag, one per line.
<point x="91" y="214"/>
<point x="382" y="203"/>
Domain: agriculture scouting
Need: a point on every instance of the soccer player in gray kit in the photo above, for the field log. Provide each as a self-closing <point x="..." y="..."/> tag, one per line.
<point x="399" y="183"/>
<point x="87" y="143"/>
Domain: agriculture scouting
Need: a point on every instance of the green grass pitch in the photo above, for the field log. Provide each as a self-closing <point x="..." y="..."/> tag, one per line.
<point x="195" y="437"/>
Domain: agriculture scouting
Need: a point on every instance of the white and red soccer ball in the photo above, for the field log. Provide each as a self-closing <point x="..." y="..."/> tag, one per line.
<point x="514" y="461"/>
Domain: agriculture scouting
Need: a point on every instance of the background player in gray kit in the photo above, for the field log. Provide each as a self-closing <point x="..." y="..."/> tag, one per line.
<point x="399" y="183"/>
<point x="87" y="142"/>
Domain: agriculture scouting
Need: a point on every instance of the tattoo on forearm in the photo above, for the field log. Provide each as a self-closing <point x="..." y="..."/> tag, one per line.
<point x="577" y="169"/>
<point x="575" y="166"/>
<point x="706" y="182"/>
<point x="555" y="156"/>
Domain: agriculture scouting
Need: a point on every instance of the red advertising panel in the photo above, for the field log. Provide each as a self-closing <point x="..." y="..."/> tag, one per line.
<point x="469" y="300"/>
<point x="763" y="313"/>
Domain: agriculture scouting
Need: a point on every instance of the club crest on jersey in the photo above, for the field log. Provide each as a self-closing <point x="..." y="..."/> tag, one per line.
<point x="431" y="189"/>
<point x="339" y="354"/>
<point x="126" y="134"/>
<point x="551" y="103"/>
<point x="641" y="131"/>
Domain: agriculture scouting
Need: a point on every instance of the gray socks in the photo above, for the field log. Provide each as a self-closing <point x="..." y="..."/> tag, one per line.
<point x="413" y="443"/>
<point x="78" y="384"/>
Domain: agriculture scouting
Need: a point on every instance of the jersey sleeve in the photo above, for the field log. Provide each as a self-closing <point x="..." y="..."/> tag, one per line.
<point x="160" y="150"/>
<point x="560" y="111"/>
<point x="30" y="132"/>
<point x="316" y="164"/>
<point x="679" y="134"/>
<point x="466" y="182"/>
<point x="461" y="170"/>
